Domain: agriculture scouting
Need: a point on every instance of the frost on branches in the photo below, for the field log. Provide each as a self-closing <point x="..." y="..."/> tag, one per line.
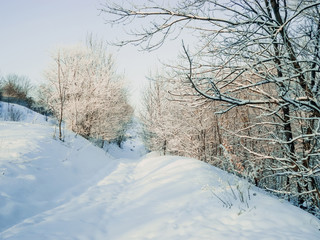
<point x="259" y="62"/>
<point x="84" y="92"/>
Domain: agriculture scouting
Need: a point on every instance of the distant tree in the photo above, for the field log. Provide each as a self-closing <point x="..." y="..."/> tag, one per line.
<point x="174" y="124"/>
<point x="16" y="88"/>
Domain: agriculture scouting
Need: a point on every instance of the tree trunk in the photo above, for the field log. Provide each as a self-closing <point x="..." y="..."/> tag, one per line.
<point x="61" y="98"/>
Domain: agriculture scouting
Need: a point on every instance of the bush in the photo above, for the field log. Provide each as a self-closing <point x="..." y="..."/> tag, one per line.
<point x="10" y="113"/>
<point x="16" y="89"/>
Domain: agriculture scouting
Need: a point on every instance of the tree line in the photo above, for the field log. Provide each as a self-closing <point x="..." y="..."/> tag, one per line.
<point x="246" y="97"/>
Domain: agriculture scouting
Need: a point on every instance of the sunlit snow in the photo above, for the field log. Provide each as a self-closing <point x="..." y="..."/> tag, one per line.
<point x="75" y="190"/>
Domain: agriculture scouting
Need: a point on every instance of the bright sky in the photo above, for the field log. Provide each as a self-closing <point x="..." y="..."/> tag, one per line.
<point x="31" y="29"/>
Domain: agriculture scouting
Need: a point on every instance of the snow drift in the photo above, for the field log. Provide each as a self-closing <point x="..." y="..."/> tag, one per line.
<point x="74" y="190"/>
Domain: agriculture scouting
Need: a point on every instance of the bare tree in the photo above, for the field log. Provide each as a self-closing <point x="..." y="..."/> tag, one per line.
<point x="55" y="93"/>
<point x="16" y="89"/>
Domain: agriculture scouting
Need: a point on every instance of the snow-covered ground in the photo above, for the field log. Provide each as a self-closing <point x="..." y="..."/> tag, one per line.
<point x="14" y="112"/>
<point x="74" y="190"/>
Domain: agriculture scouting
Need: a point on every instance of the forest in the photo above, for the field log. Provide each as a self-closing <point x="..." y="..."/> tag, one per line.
<point x="246" y="98"/>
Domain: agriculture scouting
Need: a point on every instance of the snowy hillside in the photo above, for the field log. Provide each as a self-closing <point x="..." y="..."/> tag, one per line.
<point x="14" y="112"/>
<point x="74" y="190"/>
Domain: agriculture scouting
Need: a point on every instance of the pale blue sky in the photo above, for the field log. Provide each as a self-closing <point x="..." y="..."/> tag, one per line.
<point x="31" y="29"/>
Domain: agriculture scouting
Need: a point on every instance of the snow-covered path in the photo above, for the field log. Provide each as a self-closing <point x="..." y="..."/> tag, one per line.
<point x="74" y="190"/>
<point x="165" y="198"/>
<point x="86" y="216"/>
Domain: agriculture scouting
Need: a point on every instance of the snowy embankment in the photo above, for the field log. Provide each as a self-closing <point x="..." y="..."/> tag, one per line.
<point x="74" y="190"/>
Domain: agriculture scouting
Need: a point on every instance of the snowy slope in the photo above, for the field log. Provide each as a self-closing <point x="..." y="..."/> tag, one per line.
<point x="15" y="112"/>
<point x="38" y="172"/>
<point x="73" y="190"/>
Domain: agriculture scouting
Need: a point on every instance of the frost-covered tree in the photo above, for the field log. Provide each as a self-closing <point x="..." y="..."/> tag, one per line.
<point x="85" y="92"/>
<point x="256" y="56"/>
<point x="177" y="126"/>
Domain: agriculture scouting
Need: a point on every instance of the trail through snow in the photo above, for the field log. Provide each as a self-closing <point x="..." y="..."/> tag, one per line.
<point x="74" y="190"/>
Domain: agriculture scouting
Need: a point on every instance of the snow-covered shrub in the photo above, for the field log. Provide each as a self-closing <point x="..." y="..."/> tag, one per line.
<point x="235" y="194"/>
<point x="14" y="114"/>
<point x="8" y="112"/>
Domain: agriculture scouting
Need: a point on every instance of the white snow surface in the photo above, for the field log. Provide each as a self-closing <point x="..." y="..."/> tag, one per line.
<point x="10" y="110"/>
<point x="73" y="190"/>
